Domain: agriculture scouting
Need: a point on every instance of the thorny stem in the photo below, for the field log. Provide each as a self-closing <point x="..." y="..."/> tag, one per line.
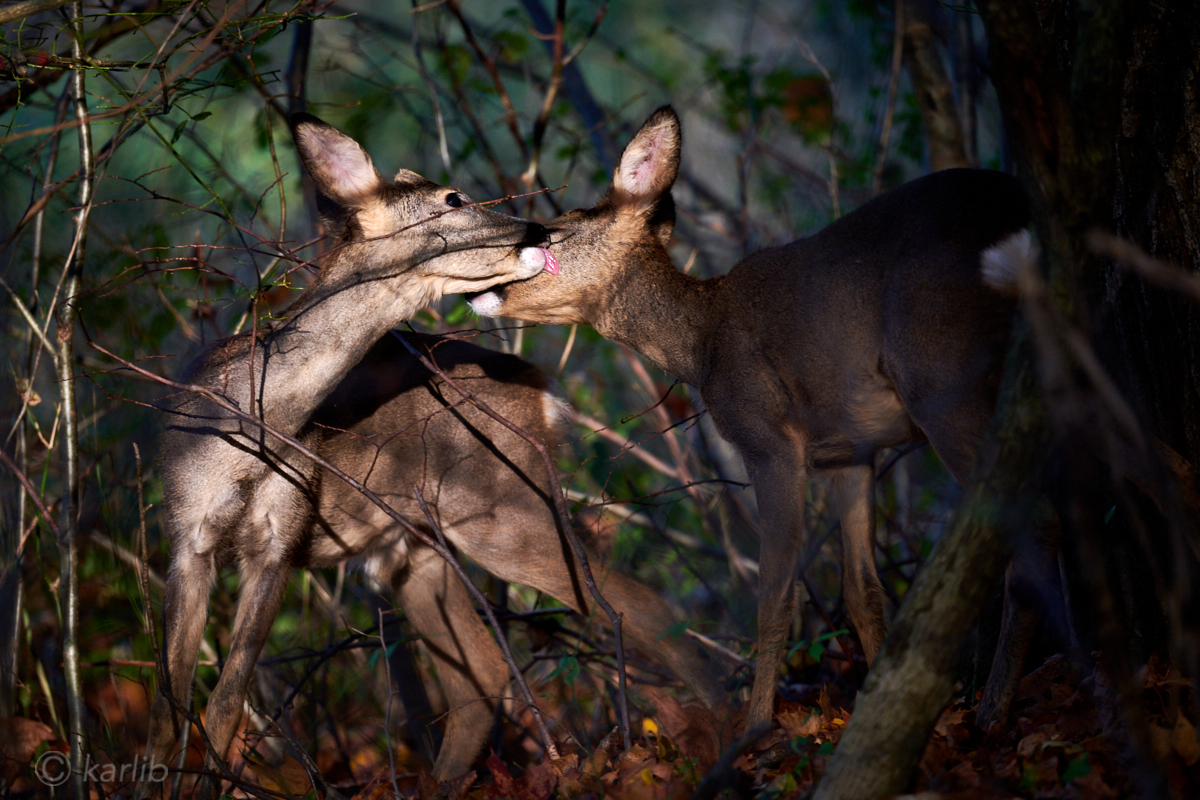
<point x="560" y="507"/>
<point x="68" y="529"/>
<point x="420" y="535"/>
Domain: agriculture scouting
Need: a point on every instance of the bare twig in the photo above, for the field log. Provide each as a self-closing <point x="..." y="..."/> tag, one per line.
<point x="564" y="521"/>
<point x="65" y="362"/>
<point x="227" y="406"/>
<point x="1128" y="254"/>
<point x="885" y="133"/>
<point x="28" y="8"/>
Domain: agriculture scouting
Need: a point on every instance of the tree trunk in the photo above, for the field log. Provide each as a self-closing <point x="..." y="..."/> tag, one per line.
<point x="1101" y="108"/>
<point x="943" y="125"/>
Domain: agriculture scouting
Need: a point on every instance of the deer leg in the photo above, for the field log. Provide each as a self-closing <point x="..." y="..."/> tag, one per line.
<point x="530" y="550"/>
<point x="854" y="489"/>
<point x="469" y="664"/>
<point x="185" y="613"/>
<point x="1033" y="567"/>
<point x="779" y="485"/>
<point x="263" y="581"/>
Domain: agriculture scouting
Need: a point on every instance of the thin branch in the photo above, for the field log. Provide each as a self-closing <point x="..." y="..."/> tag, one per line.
<point x="564" y="520"/>
<point x="885" y="134"/>
<point x="226" y="405"/>
<point x="65" y="362"/>
<point x="28" y="8"/>
<point x="1152" y="270"/>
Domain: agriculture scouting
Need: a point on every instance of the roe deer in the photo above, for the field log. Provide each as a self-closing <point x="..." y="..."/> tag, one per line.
<point x="876" y="331"/>
<point x="234" y="494"/>
<point x="392" y="425"/>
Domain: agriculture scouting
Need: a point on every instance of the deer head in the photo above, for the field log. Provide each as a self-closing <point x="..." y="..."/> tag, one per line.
<point x="595" y="247"/>
<point x="434" y="235"/>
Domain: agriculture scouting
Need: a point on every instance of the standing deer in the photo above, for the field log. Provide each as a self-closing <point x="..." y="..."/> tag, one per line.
<point x="392" y="425"/>
<point x="877" y="331"/>
<point x="235" y="495"/>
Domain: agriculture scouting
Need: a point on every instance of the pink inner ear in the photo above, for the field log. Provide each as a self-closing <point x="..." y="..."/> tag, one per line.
<point x="639" y="178"/>
<point x="346" y="165"/>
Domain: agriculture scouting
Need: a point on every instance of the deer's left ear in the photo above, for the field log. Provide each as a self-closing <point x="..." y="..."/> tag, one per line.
<point x="338" y="165"/>
<point x="650" y="162"/>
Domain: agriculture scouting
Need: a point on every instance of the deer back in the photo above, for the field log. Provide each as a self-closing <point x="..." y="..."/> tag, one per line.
<point x="394" y="425"/>
<point x="882" y="311"/>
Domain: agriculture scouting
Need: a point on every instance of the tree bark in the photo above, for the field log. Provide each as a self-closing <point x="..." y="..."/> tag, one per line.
<point x="935" y="93"/>
<point x="1070" y="90"/>
<point x="912" y="679"/>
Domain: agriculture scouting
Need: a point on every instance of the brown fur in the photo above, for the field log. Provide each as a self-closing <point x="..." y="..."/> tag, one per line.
<point x="234" y="494"/>
<point x="874" y="332"/>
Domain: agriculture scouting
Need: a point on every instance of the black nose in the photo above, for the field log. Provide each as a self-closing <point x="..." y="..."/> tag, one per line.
<point x="536" y="234"/>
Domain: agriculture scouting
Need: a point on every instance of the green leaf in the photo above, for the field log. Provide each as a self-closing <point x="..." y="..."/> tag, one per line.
<point x="178" y="131"/>
<point x="674" y="632"/>
<point x="826" y="749"/>
<point x="1078" y="767"/>
<point x="816" y="651"/>
<point x="568" y="668"/>
<point x="202" y="115"/>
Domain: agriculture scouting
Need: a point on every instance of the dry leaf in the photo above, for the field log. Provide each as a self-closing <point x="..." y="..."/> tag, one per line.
<point x="801" y="722"/>
<point x="287" y="777"/>
<point x="1183" y="740"/>
<point x="693" y="730"/>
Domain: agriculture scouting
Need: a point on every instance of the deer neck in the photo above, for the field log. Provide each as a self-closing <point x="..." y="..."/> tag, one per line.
<point x="660" y="312"/>
<point x="321" y="337"/>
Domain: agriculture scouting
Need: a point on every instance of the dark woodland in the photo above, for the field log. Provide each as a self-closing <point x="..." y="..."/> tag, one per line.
<point x="524" y="562"/>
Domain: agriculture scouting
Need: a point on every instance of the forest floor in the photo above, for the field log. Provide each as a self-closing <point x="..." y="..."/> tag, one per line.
<point x="1065" y="739"/>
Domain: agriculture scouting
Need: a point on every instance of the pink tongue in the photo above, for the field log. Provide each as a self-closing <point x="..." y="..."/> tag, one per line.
<point x="551" y="262"/>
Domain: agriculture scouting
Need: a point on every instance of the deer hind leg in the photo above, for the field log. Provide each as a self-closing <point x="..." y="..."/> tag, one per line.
<point x="854" y="490"/>
<point x="262" y="585"/>
<point x="265" y="542"/>
<point x="1031" y="571"/>
<point x="470" y="666"/>
<point x="531" y="551"/>
<point x="779" y="485"/>
<point x="185" y="614"/>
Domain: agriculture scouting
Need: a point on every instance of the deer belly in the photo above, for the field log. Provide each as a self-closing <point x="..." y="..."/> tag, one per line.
<point x="864" y="425"/>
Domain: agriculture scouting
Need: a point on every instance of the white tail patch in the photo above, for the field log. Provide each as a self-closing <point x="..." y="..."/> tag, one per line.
<point x="1002" y="263"/>
<point x="486" y="304"/>
<point x="556" y="410"/>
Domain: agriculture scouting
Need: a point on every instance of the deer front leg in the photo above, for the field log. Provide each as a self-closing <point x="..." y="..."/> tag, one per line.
<point x="185" y="613"/>
<point x="263" y="581"/>
<point x="854" y="492"/>
<point x="469" y="664"/>
<point x="779" y="486"/>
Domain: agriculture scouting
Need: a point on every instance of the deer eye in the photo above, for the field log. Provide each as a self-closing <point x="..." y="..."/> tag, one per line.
<point x="454" y="200"/>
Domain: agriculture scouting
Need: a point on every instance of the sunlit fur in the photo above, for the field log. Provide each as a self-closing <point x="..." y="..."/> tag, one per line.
<point x="876" y="331"/>
<point x="237" y="496"/>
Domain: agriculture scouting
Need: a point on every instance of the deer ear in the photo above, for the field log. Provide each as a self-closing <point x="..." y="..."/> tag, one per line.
<point x="650" y="162"/>
<point x="406" y="177"/>
<point x="338" y="165"/>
